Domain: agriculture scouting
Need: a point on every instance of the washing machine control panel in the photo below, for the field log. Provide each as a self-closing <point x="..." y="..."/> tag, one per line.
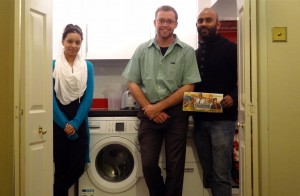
<point x="110" y="125"/>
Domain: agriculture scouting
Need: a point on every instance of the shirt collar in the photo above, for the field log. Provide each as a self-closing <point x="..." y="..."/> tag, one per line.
<point x="177" y="41"/>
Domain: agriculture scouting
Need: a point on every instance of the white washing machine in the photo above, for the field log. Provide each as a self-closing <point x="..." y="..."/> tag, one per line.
<point x="115" y="168"/>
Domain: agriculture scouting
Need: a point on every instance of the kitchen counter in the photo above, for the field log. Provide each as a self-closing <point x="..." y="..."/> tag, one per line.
<point x="106" y="112"/>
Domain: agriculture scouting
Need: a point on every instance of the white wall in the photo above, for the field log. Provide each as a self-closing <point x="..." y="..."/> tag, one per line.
<point x="205" y="3"/>
<point x="227" y="9"/>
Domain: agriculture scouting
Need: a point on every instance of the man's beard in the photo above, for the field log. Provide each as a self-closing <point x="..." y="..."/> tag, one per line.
<point x="206" y="36"/>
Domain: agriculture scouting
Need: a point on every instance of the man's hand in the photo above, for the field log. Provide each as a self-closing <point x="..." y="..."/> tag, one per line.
<point x="161" y="118"/>
<point x="152" y="111"/>
<point x="227" y="101"/>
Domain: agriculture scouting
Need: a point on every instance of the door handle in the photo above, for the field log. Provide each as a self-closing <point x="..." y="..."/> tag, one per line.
<point x="41" y="131"/>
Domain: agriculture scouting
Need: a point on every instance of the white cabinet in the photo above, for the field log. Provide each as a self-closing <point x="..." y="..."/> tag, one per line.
<point x="66" y="12"/>
<point x="113" y="29"/>
<point x="116" y="27"/>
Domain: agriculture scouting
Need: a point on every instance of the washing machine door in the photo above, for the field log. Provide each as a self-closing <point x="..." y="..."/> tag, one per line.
<point x="115" y="164"/>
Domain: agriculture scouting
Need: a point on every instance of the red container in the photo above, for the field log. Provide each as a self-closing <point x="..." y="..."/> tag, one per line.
<point x="100" y="103"/>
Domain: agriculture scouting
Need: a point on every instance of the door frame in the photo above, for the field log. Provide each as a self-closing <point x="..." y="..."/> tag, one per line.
<point x="249" y="185"/>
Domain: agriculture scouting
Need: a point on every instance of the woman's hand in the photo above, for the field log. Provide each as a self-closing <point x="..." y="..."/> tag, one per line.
<point x="69" y="129"/>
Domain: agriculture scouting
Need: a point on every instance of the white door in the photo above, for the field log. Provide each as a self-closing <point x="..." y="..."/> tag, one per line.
<point x="247" y="121"/>
<point x="35" y="29"/>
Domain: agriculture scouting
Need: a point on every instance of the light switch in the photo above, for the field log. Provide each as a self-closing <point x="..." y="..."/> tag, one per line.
<point x="279" y="34"/>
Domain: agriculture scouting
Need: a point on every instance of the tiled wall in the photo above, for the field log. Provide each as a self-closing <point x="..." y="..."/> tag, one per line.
<point x="108" y="79"/>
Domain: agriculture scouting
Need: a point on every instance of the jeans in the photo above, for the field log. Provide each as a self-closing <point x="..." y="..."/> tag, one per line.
<point x="214" y="143"/>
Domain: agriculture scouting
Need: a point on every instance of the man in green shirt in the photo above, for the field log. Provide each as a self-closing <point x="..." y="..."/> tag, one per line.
<point x="159" y="72"/>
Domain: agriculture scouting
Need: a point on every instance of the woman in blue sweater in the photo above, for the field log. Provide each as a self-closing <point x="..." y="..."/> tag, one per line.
<point x="73" y="86"/>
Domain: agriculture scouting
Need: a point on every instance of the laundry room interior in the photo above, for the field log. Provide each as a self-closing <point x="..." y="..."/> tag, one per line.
<point x="109" y="63"/>
<point x="109" y="108"/>
<point x="268" y="159"/>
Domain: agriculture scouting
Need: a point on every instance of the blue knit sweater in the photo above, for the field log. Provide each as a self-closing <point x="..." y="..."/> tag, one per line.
<point x="85" y="104"/>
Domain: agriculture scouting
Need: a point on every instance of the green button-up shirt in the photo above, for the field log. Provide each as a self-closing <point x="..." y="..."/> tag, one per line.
<point x="159" y="76"/>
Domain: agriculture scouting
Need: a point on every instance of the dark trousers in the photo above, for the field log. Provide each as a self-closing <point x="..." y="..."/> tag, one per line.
<point x="69" y="155"/>
<point x="151" y="137"/>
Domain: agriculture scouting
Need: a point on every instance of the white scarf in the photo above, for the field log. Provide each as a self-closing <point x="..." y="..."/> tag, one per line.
<point x="70" y="82"/>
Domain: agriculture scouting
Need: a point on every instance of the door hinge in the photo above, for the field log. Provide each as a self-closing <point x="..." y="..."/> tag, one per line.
<point x="251" y="108"/>
<point x="18" y="112"/>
